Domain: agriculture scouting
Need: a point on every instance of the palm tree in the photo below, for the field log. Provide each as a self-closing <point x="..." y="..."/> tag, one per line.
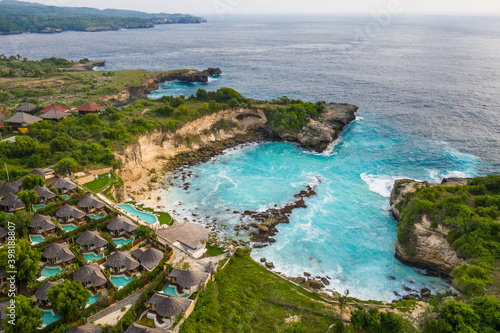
<point x="342" y="299"/>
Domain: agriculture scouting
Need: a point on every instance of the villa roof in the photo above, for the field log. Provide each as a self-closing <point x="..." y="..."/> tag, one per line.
<point x="17" y="183"/>
<point x="44" y="192"/>
<point x="52" y="106"/>
<point x="90" y="273"/>
<point x="91" y="238"/>
<point x="38" y="172"/>
<point x="12" y="200"/>
<point x="87" y="328"/>
<point x="42" y="222"/>
<point x="187" y="279"/>
<point x="54" y="114"/>
<point x="8" y="189"/>
<point x="122" y="259"/>
<point x="41" y="293"/>
<point x="188" y="233"/>
<point x="148" y="258"/>
<point x="26" y="107"/>
<point x="22" y="118"/>
<point x="137" y="328"/>
<point x="58" y="250"/>
<point x="89" y="201"/>
<point x="63" y="183"/>
<point x="167" y="306"/>
<point x="121" y="223"/>
<point x="3" y="232"/>
<point x="89" y="107"/>
<point x="70" y="211"/>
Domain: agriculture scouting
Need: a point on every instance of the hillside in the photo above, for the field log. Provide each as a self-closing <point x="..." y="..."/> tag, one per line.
<point x="18" y="17"/>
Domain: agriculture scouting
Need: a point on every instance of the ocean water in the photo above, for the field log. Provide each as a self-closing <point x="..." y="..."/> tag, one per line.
<point x="428" y="89"/>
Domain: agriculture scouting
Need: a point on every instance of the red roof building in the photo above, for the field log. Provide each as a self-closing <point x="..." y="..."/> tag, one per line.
<point x="89" y="108"/>
<point x="60" y="108"/>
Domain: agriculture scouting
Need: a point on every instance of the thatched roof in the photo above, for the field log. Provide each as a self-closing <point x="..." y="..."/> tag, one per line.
<point x="87" y="328"/>
<point x="137" y="328"/>
<point x="187" y="279"/>
<point x="91" y="238"/>
<point x="44" y="192"/>
<point x="188" y="233"/>
<point x="22" y="118"/>
<point x="167" y="306"/>
<point x="8" y="189"/>
<point x="41" y="293"/>
<point x="89" y="201"/>
<point x="42" y="222"/>
<point x="26" y="107"/>
<point x="58" y="250"/>
<point x="38" y="172"/>
<point x="148" y="258"/>
<point x="121" y="223"/>
<point x="17" y="183"/>
<point x="3" y="232"/>
<point x="122" y="259"/>
<point x="70" y="211"/>
<point x="12" y="200"/>
<point x="90" y="273"/>
<point x="54" y="114"/>
<point x="64" y="184"/>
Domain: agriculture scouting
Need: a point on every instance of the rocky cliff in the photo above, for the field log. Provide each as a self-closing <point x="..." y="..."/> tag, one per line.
<point x="428" y="247"/>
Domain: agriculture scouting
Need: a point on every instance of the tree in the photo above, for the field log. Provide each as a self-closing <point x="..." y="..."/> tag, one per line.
<point x="471" y="278"/>
<point x="342" y="299"/>
<point x="457" y="316"/>
<point x="68" y="299"/>
<point x="233" y="103"/>
<point x="144" y="231"/>
<point x="27" y="317"/>
<point x="201" y="94"/>
<point x="30" y="181"/>
<point x="29" y="197"/>
<point x="66" y="164"/>
<point x="26" y="260"/>
<point x="21" y="220"/>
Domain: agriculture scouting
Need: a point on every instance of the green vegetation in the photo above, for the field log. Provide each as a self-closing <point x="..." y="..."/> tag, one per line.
<point x="375" y="321"/>
<point x="165" y="218"/>
<point x="32" y="181"/>
<point x="14" y="66"/>
<point x="16" y="17"/>
<point x="98" y="184"/>
<point x="27" y="317"/>
<point x="26" y="261"/>
<point x="470" y="213"/>
<point x="69" y="299"/>
<point x="213" y="250"/>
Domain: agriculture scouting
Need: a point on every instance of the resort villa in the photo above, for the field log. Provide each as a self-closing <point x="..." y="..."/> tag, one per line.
<point x="69" y="214"/>
<point x="55" y="114"/>
<point x="41" y="293"/>
<point x="91" y="241"/>
<point x="89" y="108"/>
<point x="58" y="253"/>
<point x="121" y="226"/>
<point x="137" y="328"/>
<point x="42" y="224"/>
<point x="8" y="189"/>
<point x="12" y="203"/>
<point x="163" y="309"/>
<point x="19" y="122"/>
<point x="149" y="258"/>
<point x="188" y="237"/>
<point x="91" y="277"/>
<point x="53" y="106"/>
<point x="87" y="328"/>
<point x="26" y="107"/>
<point x="89" y="204"/>
<point x="189" y="281"/>
<point x="44" y="194"/>
<point x="64" y="186"/>
<point x="123" y="262"/>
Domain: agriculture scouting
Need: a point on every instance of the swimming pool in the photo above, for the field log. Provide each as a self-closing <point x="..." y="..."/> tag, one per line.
<point x="37" y="207"/>
<point x="123" y="241"/>
<point x="49" y="271"/>
<point x="36" y="238"/>
<point x="91" y="256"/>
<point x="95" y="217"/>
<point x="171" y="290"/>
<point x="49" y="317"/>
<point x="93" y="299"/>
<point x="121" y="280"/>
<point x="68" y="227"/>
<point x="150" y="218"/>
<point x="65" y="197"/>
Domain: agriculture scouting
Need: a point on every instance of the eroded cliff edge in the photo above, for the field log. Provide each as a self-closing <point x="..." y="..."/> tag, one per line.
<point x="427" y="246"/>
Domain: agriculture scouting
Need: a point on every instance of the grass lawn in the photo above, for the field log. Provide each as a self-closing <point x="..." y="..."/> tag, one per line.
<point x="213" y="250"/>
<point x="101" y="182"/>
<point x="147" y="322"/>
<point x="248" y="298"/>
<point x="165" y="218"/>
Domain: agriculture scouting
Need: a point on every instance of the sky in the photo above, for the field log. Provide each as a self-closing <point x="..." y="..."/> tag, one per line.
<point x="214" y="7"/>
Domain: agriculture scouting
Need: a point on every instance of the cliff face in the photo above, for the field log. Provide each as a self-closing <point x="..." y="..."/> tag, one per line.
<point x="428" y="247"/>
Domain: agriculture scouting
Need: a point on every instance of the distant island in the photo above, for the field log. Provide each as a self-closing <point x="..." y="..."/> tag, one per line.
<point x="18" y="17"/>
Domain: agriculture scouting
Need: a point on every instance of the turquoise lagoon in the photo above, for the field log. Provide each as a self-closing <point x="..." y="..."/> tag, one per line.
<point x="150" y="218"/>
<point x="49" y="271"/>
<point x="347" y="232"/>
<point x="91" y="256"/>
<point x="121" y="280"/>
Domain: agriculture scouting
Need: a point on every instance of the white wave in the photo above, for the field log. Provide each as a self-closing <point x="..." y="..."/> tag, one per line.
<point x="380" y="184"/>
<point x="437" y="176"/>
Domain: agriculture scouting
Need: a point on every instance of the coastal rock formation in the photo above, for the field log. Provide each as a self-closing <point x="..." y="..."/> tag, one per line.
<point x="86" y="67"/>
<point x="428" y="247"/>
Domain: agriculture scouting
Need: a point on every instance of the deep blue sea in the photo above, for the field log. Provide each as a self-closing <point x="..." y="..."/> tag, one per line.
<point x="428" y="91"/>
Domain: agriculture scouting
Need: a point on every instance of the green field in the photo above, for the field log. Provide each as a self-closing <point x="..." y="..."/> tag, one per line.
<point x="165" y="218"/>
<point x="100" y="183"/>
<point x="213" y="250"/>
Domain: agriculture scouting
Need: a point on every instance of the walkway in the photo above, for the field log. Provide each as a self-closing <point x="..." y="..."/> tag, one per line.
<point x="130" y="300"/>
